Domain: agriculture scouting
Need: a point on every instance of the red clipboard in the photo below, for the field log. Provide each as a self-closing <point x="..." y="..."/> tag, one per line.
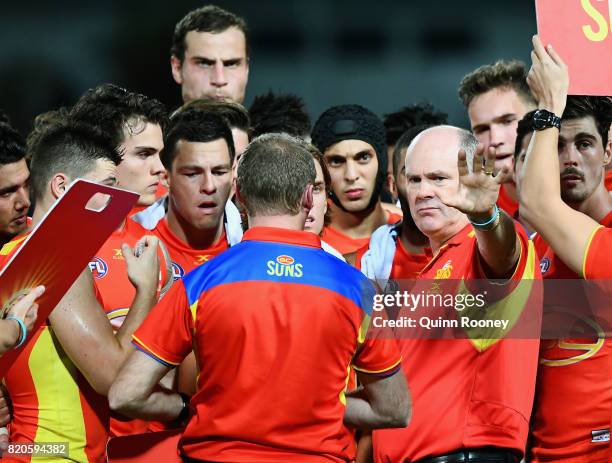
<point x="581" y="32"/>
<point x="60" y="247"/>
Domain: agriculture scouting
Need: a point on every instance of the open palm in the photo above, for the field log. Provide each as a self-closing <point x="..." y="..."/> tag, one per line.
<point x="478" y="190"/>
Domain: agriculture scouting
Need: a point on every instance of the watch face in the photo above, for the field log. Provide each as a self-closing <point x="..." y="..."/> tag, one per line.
<point x="543" y="119"/>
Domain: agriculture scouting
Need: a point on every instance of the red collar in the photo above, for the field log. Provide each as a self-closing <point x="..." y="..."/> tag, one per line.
<point x="282" y="235"/>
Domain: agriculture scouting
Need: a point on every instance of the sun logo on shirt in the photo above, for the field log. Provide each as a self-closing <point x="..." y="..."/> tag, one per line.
<point x="444" y="273"/>
<point x="203" y="258"/>
<point x="284" y="266"/>
<point x="118" y="254"/>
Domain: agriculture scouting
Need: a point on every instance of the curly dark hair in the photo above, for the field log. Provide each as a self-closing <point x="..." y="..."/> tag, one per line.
<point x="113" y="109"/>
<point x="280" y="113"/>
<point x="598" y="107"/>
<point x="398" y="122"/>
<point x="209" y="18"/>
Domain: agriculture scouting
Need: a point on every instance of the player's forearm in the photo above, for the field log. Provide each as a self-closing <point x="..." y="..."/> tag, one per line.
<point x="359" y="413"/>
<point x="144" y="300"/>
<point x="161" y="404"/>
<point x="499" y="247"/>
<point x="541" y="183"/>
<point x="365" y="450"/>
<point x="9" y="334"/>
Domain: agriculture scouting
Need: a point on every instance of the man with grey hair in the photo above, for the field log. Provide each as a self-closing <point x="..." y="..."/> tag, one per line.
<point x="484" y="414"/>
<point x="268" y="319"/>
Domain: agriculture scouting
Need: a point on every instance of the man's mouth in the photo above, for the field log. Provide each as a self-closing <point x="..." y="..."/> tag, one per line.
<point x="355" y="193"/>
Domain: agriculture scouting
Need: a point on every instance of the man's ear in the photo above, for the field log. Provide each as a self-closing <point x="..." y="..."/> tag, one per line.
<point x="59" y="184"/>
<point x="238" y="195"/>
<point x="307" y="198"/>
<point x="608" y="151"/>
<point x="176" y="65"/>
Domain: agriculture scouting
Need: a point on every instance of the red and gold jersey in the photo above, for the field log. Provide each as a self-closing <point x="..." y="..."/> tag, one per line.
<point x="608" y="180"/>
<point x="406" y="265"/>
<point x="598" y="256"/>
<point x="185" y="258"/>
<point x="574" y="372"/>
<point x="291" y="317"/>
<point x="506" y="203"/>
<point x="52" y="401"/>
<point x="468" y="392"/>
<point x="110" y="274"/>
<point x="110" y="271"/>
<point x="345" y="244"/>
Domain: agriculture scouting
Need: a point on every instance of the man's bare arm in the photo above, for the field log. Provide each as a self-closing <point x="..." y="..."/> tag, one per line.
<point x="135" y="392"/>
<point x="84" y="330"/>
<point x="567" y="231"/>
<point x="384" y="403"/>
<point x="499" y="248"/>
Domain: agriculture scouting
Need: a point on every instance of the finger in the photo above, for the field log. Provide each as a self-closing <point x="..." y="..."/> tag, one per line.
<point x="477" y="162"/>
<point x="21" y="307"/>
<point x="489" y="161"/>
<point x="555" y="56"/>
<point x="462" y="163"/>
<point x="128" y="253"/>
<point x="535" y="61"/>
<point x="33" y="312"/>
<point x="538" y="48"/>
<point x="151" y="241"/>
<point x="503" y="175"/>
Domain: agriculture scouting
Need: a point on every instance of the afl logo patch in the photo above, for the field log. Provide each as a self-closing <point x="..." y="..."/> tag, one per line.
<point x="98" y="268"/>
<point x="177" y="271"/>
<point x="545" y="265"/>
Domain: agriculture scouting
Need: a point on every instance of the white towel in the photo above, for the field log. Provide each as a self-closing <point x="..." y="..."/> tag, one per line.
<point x="233" y="224"/>
<point x="376" y="263"/>
<point x="149" y="217"/>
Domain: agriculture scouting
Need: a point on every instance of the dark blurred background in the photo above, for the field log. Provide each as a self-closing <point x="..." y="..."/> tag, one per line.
<point x="382" y="54"/>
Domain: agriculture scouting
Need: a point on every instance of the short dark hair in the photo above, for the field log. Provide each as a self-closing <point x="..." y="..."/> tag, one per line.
<point x="273" y="173"/>
<point x="501" y="74"/>
<point x="112" y="109"/>
<point x="209" y="18"/>
<point x="234" y="114"/>
<point x="598" y="107"/>
<point x="280" y="113"/>
<point x="12" y="144"/>
<point x="524" y="127"/>
<point x="402" y="144"/>
<point x="419" y="114"/>
<point x="195" y="125"/>
<point x="44" y="122"/>
<point x="69" y="148"/>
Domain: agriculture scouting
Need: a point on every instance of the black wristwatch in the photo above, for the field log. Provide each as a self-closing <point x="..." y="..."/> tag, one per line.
<point x="543" y="119"/>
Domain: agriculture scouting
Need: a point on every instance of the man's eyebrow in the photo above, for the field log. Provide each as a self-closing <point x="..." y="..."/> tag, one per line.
<point x="585" y="135"/>
<point x="505" y="116"/>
